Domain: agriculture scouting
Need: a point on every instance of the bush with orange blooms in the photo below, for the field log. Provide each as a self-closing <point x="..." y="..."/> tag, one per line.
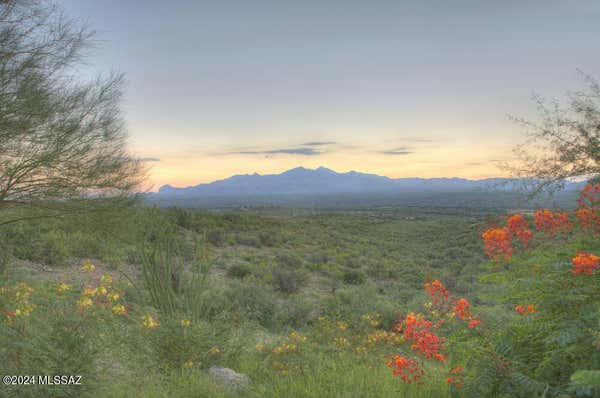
<point x="498" y="243"/>
<point x="588" y="212"/>
<point x="423" y="335"/>
<point x="585" y="263"/>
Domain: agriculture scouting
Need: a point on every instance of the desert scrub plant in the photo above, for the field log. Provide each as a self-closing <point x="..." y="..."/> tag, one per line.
<point x="59" y="329"/>
<point x="288" y="280"/>
<point x="239" y="271"/>
<point x="174" y="291"/>
<point x="354" y="277"/>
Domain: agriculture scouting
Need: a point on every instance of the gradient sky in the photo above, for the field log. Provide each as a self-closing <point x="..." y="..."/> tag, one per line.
<point x="397" y="88"/>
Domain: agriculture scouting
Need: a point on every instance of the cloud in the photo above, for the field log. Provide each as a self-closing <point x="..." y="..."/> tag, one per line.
<point x="149" y="159"/>
<point x="398" y="151"/>
<point x="288" y="151"/>
<point x="319" y="143"/>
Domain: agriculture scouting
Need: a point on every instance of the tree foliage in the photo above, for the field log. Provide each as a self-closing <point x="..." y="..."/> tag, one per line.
<point x="60" y="137"/>
<point x="565" y="141"/>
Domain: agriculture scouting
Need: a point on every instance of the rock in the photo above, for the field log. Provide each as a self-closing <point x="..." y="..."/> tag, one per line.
<point x="229" y="377"/>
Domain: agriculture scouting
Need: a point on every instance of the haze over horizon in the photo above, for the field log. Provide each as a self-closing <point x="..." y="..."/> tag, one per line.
<point x="411" y="89"/>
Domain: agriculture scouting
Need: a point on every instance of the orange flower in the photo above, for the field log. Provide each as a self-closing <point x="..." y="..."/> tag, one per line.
<point x="439" y="294"/>
<point x="461" y="309"/>
<point x="551" y="223"/>
<point x="407" y="368"/>
<point x="456" y="379"/>
<point x="585" y="263"/>
<point x="527" y="310"/>
<point x="418" y="331"/>
<point x="497" y="243"/>
<point x="473" y="323"/>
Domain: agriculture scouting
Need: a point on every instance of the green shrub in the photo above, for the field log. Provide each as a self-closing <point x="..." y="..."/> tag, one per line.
<point x="288" y="280"/>
<point x="267" y="239"/>
<point x="247" y="240"/>
<point x="52" y="248"/>
<point x="216" y="237"/>
<point x="289" y="260"/>
<point x="354" y="277"/>
<point x="253" y="300"/>
<point x="239" y="271"/>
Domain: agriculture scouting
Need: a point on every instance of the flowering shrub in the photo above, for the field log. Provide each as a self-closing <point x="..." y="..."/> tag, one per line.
<point x="525" y="310"/>
<point x="455" y="377"/>
<point x="589" y="207"/>
<point x="518" y="226"/>
<point x="543" y="355"/>
<point x="407" y="368"/>
<point x="552" y="223"/>
<point x="419" y="332"/>
<point x="16" y="302"/>
<point x="585" y="263"/>
<point x="498" y="243"/>
<point x="423" y="334"/>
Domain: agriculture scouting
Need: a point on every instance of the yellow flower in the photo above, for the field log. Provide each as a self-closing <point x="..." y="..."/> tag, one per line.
<point x="88" y="292"/>
<point x="284" y="349"/>
<point x="84" y="303"/>
<point x="260" y="347"/>
<point x="23" y="291"/>
<point x="188" y="364"/>
<point x="63" y="287"/>
<point x="341" y="341"/>
<point x="88" y="267"/>
<point x="119" y="309"/>
<point x="27" y="309"/>
<point x="101" y="291"/>
<point x="149" y="322"/>
<point x="342" y="325"/>
<point x="186" y="323"/>
<point x="113" y="296"/>
<point x="215" y="351"/>
<point x="106" y="278"/>
<point x="297" y="336"/>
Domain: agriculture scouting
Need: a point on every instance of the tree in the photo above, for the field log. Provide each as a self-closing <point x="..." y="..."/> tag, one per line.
<point x="564" y="143"/>
<point x="61" y="139"/>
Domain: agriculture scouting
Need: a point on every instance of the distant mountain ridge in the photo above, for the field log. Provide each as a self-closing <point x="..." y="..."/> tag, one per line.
<point x="322" y="180"/>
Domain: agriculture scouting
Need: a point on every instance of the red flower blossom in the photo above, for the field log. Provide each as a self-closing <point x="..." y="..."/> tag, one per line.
<point x="497" y="243"/>
<point x="588" y="217"/>
<point x="585" y="263"/>
<point x="590" y="196"/>
<point x="456" y="378"/>
<point x="473" y="323"/>
<point x="461" y="309"/>
<point x="518" y="226"/>
<point x="418" y="331"/>
<point x="407" y="368"/>
<point x="437" y="291"/>
<point x="527" y="310"/>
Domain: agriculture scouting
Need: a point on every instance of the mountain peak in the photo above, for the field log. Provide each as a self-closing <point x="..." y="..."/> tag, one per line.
<point x="325" y="169"/>
<point x="323" y="180"/>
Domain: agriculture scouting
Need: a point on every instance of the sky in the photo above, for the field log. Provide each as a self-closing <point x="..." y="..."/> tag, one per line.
<point x="397" y="88"/>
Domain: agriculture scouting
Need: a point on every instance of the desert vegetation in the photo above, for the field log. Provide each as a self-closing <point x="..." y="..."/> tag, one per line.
<point x="305" y="306"/>
<point x="366" y="301"/>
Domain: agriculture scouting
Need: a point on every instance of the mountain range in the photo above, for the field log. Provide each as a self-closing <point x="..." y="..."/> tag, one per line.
<point x="303" y="181"/>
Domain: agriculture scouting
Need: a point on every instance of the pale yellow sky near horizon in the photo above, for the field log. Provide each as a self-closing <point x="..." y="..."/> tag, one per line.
<point x="454" y="159"/>
<point x="396" y="88"/>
